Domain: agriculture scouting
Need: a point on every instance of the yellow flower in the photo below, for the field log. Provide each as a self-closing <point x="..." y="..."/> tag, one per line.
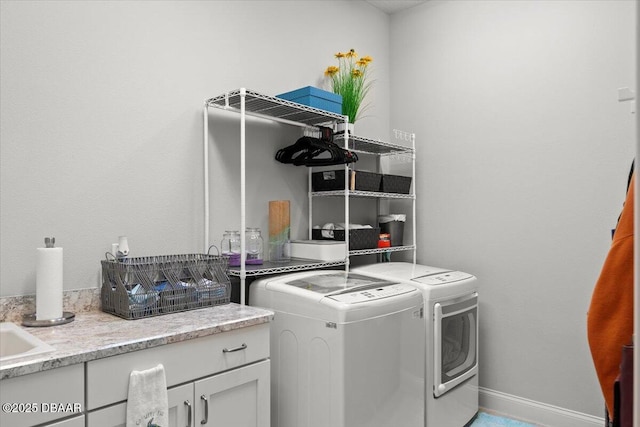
<point x="331" y="70"/>
<point x="350" y="78"/>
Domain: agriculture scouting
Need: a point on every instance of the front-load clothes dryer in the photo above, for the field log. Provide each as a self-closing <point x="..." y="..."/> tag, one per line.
<point x="451" y="320"/>
<point x="346" y="350"/>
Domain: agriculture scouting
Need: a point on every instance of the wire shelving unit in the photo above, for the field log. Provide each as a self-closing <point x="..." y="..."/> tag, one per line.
<point x="250" y="103"/>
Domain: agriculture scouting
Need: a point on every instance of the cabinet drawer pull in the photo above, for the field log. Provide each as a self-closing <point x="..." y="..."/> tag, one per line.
<point x="231" y="350"/>
<point x="206" y="409"/>
<point x="188" y="405"/>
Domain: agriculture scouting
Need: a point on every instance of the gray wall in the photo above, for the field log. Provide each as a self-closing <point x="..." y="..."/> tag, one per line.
<point x="523" y="154"/>
<point x="101" y="123"/>
<point x="522" y="147"/>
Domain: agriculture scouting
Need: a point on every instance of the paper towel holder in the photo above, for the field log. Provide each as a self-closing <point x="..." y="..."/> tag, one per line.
<point x="30" y="320"/>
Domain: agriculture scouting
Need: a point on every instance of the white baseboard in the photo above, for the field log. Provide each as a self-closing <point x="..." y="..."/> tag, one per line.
<point x="537" y="413"/>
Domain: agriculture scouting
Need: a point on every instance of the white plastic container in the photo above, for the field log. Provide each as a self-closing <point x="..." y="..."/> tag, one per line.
<point x="323" y="250"/>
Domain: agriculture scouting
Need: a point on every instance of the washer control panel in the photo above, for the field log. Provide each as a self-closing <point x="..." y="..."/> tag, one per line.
<point x="373" y="293"/>
<point x="442" y="278"/>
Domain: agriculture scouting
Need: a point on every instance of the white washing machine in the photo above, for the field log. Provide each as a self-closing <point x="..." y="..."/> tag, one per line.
<point x="451" y="357"/>
<point x="346" y="350"/>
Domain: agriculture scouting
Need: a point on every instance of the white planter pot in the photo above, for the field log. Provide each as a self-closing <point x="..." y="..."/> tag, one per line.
<point x="339" y="128"/>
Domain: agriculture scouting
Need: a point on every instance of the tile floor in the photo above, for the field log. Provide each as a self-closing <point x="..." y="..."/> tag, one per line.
<point x="488" y="420"/>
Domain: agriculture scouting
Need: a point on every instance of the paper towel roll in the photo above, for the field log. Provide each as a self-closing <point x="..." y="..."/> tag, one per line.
<point x="49" y="284"/>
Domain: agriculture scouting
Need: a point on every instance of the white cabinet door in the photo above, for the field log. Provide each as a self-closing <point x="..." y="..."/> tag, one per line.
<point x="181" y="406"/>
<point x="116" y="415"/>
<point x="112" y="416"/>
<point x="35" y="398"/>
<point x="237" y="398"/>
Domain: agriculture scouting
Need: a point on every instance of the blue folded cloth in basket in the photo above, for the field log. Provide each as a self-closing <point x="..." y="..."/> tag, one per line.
<point x="138" y="295"/>
<point x="208" y="289"/>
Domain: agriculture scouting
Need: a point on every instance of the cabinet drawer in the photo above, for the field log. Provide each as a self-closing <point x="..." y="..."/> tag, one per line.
<point x="72" y="422"/>
<point x="108" y="378"/>
<point x="44" y="396"/>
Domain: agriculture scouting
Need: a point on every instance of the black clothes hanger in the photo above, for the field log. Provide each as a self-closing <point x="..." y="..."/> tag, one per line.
<point x="309" y="151"/>
<point x="301" y="146"/>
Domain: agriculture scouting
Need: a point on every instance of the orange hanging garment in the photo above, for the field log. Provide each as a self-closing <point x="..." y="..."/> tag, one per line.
<point x="610" y="317"/>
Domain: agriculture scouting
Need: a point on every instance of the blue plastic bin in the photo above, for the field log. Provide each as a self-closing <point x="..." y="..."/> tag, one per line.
<point x="316" y="98"/>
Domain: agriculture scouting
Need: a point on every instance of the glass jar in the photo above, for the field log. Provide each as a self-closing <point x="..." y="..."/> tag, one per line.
<point x="254" y="246"/>
<point x="230" y="246"/>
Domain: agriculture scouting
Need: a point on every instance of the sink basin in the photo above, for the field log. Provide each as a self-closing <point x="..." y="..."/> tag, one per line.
<point x="16" y="342"/>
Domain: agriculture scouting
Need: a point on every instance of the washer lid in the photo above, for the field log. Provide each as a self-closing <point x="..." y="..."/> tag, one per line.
<point x="335" y="283"/>
<point x="442" y="278"/>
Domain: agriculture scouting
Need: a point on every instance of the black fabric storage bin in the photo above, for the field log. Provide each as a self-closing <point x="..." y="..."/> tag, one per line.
<point x="359" y="238"/>
<point x="334" y="180"/>
<point x="395" y="184"/>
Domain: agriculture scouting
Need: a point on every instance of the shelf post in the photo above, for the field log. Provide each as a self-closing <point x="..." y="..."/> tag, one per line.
<point x="205" y="139"/>
<point x="347" y="179"/>
<point x="413" y="174"/>
<point x="243" y="205"/>
<point x="310" y="199"/>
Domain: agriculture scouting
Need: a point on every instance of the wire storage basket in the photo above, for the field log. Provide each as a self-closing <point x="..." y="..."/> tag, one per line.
<point x="134" y="288"/>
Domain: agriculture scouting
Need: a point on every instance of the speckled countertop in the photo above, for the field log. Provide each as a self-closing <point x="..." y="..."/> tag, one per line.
<point x="95" y="334"/>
